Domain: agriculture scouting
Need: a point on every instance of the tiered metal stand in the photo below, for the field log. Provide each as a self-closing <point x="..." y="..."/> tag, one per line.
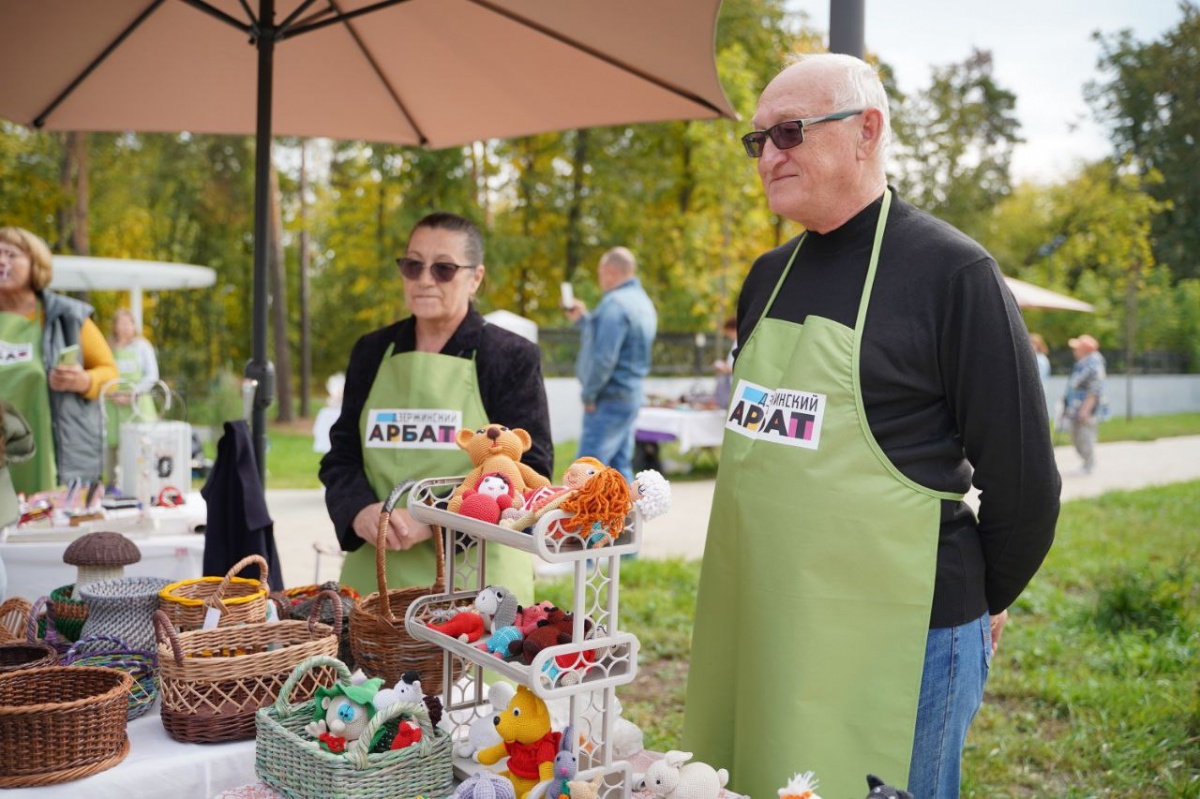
<point x="578" y="679"/>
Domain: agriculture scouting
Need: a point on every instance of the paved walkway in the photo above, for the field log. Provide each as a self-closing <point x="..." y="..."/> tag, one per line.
<point x="301" y="519"/>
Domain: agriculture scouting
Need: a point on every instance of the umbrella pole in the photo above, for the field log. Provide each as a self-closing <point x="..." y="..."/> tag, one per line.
<point x="259" y="368"/>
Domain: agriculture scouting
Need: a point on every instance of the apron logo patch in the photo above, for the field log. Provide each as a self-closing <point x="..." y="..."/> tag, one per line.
<point x="412" y="429"/>
<point x="15" y="353"/>
<point x="780" y="416"/>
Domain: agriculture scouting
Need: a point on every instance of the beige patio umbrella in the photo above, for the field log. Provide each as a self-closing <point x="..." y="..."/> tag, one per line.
<point x="434" y="73"/>
<point x="1028" y="295"/>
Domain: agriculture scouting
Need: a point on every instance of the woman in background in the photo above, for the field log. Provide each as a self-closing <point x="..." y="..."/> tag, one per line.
<point x="53" y="362"/>
<point x="138" y="368"/>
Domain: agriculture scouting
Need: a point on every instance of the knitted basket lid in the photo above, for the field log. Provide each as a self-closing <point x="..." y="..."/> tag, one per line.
<point x="102" y="549"/>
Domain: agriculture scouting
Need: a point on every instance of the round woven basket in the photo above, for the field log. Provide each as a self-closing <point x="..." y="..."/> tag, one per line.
<point x="26" y="655"/>
<point x="240" y="600"/>
<point x="379" y="641"/>
<point x="69" y="613"/>
<point x="297" y="603"/>
<point x="123" y="608"/>
<point x="110" y="652"/>
<point x="61" y="723"/>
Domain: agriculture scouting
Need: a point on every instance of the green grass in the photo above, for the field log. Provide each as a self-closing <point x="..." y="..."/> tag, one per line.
<point x="1093" y="692"/>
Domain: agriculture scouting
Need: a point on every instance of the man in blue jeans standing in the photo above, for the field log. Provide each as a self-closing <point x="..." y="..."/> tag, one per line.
<point x="614" y="357"/>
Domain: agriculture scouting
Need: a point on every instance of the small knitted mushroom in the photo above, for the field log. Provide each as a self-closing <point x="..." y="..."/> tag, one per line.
<point x="100" y="556"/>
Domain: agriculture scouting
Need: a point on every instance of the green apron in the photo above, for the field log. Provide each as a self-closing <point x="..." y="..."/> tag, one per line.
<point x="419" y="400"/>
<point x="23" y="382"/>
<point x="129" y="366"/>
<point x="817" y="581"/>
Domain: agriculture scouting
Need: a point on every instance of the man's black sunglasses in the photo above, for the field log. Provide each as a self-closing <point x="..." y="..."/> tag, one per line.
<point x="443" y="271"/>
<point x="787" y="135"/>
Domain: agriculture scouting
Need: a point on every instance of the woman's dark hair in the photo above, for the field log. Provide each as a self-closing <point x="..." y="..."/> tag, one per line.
<point x="443" y="220"/>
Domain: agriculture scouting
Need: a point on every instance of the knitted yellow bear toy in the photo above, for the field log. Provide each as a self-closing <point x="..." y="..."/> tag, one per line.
<point x="527" y="741"/>
<point x="496" y="448"/>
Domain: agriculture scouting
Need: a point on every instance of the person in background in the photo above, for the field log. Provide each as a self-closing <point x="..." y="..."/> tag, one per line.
<point x="16" y="445"/>
<point x="138" y="369"/>
<point x="724" y="367"/>
<point x="614" y="358"/>
<point x="53" y="362"/>
<point x="442" y="366"/>
<point x="849" y="600"/>
<point x="1084" y="402"/>
<point x="1041" y="353"/>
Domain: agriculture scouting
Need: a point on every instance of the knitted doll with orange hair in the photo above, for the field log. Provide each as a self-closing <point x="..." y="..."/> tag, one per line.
<point x="597" y="496"/>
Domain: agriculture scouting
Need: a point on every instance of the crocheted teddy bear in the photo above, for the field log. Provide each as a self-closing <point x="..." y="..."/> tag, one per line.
<point x="527" y="741"/>
<point x="495" y="448"/>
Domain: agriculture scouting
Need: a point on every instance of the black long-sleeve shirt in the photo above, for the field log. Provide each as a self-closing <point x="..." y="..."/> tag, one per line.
<point x="509" y="369"/>
<point x="950" y="385"/>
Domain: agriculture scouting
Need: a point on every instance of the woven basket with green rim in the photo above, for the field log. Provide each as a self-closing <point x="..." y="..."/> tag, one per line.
<point x="69" y="613"/>
<point x="286" y="759"/>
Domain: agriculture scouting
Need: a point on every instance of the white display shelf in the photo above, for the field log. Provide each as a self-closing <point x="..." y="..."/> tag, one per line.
<point x="559" y="674"/>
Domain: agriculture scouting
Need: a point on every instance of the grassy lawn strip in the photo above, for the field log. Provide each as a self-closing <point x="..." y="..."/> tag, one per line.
<point x="1093" y="691"/>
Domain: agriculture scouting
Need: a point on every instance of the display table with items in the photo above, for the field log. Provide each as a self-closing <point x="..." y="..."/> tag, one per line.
<point x="692" y="428"/>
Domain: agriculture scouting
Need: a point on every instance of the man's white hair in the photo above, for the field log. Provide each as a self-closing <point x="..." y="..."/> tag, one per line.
<point x="858" y="86"/>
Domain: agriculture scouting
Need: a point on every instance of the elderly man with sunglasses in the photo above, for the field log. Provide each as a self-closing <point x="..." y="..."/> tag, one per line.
<point x="409" y="388"/>
<point x="850" y="601"/>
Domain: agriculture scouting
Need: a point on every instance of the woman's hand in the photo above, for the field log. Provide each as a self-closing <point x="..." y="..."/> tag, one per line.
<point x="403" y="531"/>
<point x="997" y="623"/>
<point x="70" y="378"/>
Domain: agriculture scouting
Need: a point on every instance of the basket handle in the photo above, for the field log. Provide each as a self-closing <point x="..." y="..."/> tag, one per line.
<point x="263" y="570"/>
<point x="359" y="752"/>
<point x="284" y="708"/>
<point x="162" y="623"/>
<point x="76" y="649"/>
<point x="31" y="625"/>
<point x="385" y="516"/>
<point x="314" y="615"/>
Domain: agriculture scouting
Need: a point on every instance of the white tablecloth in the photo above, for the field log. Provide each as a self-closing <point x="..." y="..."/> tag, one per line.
<point x="35" y="568"/>
<point x="159" y="766"/>
<point x="691" y="428"/>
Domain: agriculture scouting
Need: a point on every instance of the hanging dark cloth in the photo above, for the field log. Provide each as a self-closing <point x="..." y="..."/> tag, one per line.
<point x="238" y="521"/>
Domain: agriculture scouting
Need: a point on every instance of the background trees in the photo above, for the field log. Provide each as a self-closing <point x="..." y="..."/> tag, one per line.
<point x="682" y="195"/>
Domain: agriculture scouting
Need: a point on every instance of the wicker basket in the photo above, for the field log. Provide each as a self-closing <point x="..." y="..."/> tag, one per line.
<point x="14" y="617"/>
<point x="15" y="656"/>
<point x="296" y="603"/>
<point x="111" y="652"/>
<point x="42" y="627"/>
<point x="213" y="681"/>
<point x="379" y="641"/>
<point x="287" y="760"/>
<point x="123" y="608"/>
<point x="61" y="723"/>
<point x="69" y="613"/>
<point x="240" y="600"/>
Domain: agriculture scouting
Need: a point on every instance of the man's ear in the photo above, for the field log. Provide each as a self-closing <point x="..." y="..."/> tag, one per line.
<point x="870" y="134"/>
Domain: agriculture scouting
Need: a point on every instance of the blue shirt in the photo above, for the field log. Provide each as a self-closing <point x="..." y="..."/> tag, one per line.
<point x="614" y="354"/>
<point x="1087" y="378"/>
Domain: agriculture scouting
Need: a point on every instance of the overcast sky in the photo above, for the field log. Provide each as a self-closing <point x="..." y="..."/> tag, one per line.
<point x="1043" y="52"/>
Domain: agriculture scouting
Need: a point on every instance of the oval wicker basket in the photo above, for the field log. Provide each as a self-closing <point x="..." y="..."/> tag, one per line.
<point x="110" y="652"/>
<point x="26" y="655"/>
<point x="379" y="641"/>
<point x="60" y="723"/>
<point x="212" y="682"/>
<point x="240" y="600"/>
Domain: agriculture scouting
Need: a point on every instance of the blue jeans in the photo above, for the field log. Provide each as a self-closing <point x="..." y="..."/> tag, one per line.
<point x="957" y="660"/>
<point x="608" y="434"/>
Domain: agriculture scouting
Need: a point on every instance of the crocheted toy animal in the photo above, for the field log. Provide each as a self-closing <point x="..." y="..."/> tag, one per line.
<point x="491" y="499"/>
<point x="341" y="712"/>
<point x="498" y="607"/>
<point x="672" y="779"/>
<point x="482" y="732"/>
<point x="527" y="741"/>
<point x="496" y="449"/>
<point x="485" y="785"/>
<point x="408" y="689"/>
<point x="800" y="786"/>
<point x="555" y="629"/>
<point x="651" y="493"/>
<point x="465" y="625"/>
<point x="581" y="789"/>
<point x="528" y="618"/>
<point x="881" y="790"/>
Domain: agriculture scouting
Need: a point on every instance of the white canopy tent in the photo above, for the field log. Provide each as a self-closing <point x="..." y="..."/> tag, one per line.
<point x="1028" y="295"/>
<point x="84" y="273"/>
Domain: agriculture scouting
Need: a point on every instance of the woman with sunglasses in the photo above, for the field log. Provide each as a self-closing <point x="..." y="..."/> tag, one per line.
<point x="53" y="362"/>
<point x="409" y="387"/>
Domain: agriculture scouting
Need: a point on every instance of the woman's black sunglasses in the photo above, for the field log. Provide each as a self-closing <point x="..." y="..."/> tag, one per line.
<point x="789" y="134"/>
<point x="443" y="271"/>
